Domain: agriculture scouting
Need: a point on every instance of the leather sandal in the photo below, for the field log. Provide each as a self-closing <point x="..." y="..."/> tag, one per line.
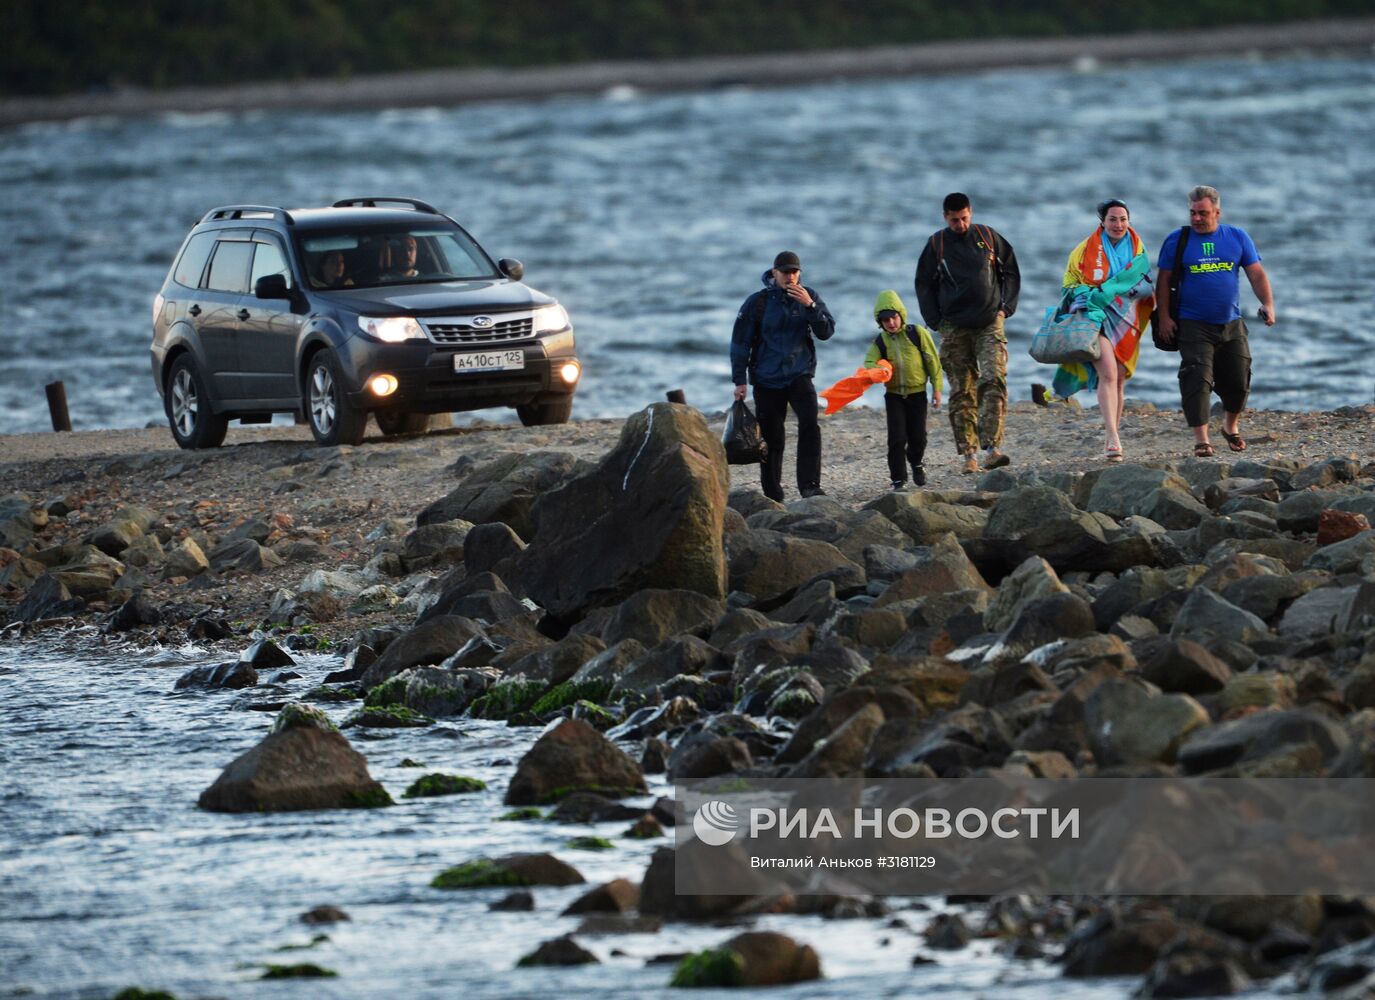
<point x="1235" y="441"/>
<point x="1203" y="450"/>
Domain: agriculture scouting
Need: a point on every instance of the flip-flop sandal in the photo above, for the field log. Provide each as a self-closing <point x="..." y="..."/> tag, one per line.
<point x="1235" y="441"/>
<point x="1203" y="450"/>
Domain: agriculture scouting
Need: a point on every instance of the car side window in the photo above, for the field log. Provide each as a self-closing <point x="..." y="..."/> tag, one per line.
<point x="268" y="259"/>
<point x="192" y="263"/>
<point x="229" y="267"/>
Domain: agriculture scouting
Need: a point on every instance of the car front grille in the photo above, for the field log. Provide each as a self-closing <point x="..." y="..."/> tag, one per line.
<point x="462" y="331"/>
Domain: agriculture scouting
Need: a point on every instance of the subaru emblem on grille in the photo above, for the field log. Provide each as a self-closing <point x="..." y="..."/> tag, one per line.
<point x="482" y="322"/>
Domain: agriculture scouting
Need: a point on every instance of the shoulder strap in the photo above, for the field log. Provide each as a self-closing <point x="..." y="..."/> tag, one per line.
<point x="761" y="302"/>
<point x="913" y="337"/>
<point x="882" y="347"/>
<point x="1177" y="274"/>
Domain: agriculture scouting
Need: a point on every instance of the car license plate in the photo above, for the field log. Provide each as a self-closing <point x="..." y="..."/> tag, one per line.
<point x="490" y="361"/>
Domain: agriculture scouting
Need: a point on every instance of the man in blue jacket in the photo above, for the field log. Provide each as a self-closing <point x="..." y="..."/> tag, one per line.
<point x="774" y="341"/>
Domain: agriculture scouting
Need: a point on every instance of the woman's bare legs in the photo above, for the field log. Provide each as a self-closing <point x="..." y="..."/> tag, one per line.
<point x="1109" y="392"/>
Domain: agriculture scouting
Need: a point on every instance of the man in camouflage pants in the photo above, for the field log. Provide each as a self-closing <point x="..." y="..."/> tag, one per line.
<point x="967" y="283"/>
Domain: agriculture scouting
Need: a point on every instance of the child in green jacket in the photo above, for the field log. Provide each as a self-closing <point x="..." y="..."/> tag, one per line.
<point x="912" y="353"/>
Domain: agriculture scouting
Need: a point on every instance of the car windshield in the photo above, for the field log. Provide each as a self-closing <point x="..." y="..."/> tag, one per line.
<point x="369" y="258"/>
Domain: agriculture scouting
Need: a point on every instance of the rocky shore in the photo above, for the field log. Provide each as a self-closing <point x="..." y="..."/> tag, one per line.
<point x="618" y="583"/>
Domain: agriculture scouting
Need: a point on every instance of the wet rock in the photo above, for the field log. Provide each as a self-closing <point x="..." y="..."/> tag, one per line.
<point x="648" y="516"/>
<point x="508" y="870"/>
<point x="209" y="628"/>
<point x="674" y="713"/>
<point x="589" y="807"/>
<point x="265" y="655"/>
<point x="681" y="655"/>
<point x="1033" y="579"/>
<point x="1339" y="525"/>
<point x="1119" y="948"/>
<point x="655" y="757"/>
<point x="1204" y="614"/>
<point x="617" y="896"/>
<point x="1184" y="667"/>
<point x="518" y="901"/>
<point x="705" y="757"/>
<point x="1258" y="736"/>
<point x="610" y="665"/>
<point x="427" y="644"/>
<point x="842" y="753"/>
<point x="220" y="675"/>
<point x="651" y="616"/>
<point x="134" y="613"/>
<point x="244" y="555"/>
<point x="769" y="564"/>
<point x="322" y="915"/>
<point x="947" y="932"/>
<point x="504" y="490"/>
<point x="1189" y="973"/>
<point x="559" y="661"/>
<point x="300" y="765"/>
<point x="696" y="862"/>
<point x="573" y="757"/>
<point x="755" y="958"/>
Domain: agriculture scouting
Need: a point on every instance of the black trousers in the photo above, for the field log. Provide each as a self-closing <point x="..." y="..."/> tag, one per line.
<point x="771" y="407"/>
<point x="1213" y="357"/>
<point x="906" y="431"/>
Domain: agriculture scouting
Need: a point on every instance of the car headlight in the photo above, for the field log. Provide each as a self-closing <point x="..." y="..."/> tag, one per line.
<point x="392" y="329"/>
<point x="551" y="318"/>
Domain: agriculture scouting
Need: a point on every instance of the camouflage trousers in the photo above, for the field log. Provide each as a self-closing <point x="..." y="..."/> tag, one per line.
<point x="975" y="363"/>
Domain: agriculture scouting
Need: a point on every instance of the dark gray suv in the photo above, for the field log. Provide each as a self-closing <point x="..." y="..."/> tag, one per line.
<point x="374" y="305"/>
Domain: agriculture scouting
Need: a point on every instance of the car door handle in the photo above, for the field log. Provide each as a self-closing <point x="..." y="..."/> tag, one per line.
<point x="194" y="310"/>
<point x="242" y="314"/>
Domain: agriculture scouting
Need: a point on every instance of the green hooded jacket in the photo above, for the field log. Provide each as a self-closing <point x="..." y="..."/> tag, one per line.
<point x="912" y="366"/>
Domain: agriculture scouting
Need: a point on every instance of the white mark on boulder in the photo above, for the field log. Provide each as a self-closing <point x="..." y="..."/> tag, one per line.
<point x="649" y="426"/>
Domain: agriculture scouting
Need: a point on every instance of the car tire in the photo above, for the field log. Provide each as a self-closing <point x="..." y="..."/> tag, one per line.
<point x="187" y="403"/>
<point x="393" y="422"/>
<point x="554" y="411"/>
<point x="332" y="418"/>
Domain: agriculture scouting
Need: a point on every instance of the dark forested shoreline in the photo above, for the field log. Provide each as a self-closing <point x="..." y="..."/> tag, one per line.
<point x="70" y="47"/>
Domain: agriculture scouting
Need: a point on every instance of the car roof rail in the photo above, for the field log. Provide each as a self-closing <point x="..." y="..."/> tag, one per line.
<point x="419" y="206"/>
<point x="248" y="212"/>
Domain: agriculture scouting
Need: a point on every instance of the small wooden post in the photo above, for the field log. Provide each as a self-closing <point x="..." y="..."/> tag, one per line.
<point x="676" y="396"/>
<point x="57" y="406"/>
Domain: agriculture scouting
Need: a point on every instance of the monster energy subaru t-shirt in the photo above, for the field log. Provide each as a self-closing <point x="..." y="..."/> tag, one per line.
<point x="1210" y="291"/>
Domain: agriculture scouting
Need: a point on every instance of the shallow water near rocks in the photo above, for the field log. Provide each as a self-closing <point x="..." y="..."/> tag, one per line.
<point x="110" y="876"/>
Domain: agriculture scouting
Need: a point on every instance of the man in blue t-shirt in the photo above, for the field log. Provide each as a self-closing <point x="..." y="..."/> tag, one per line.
<point x="1213" y="350"/>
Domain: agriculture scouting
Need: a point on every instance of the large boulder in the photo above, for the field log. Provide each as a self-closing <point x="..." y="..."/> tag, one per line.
<point x="1204" y="613"/>
<point x="1126" y="489"/>
<point x="1046" y="523"/>
<point x="1258" y="736"/>
<point x="770" y="564"/>
<point x="940" y="568"/>
<point x="504" y="490"/>
<point x="573" y="757"/>
<point x="303" y="763"/>
<point x="923" y="519"/>
<point x="754" y="958"/>
<point x="1034" y="578"/>
<point x="649" y="515"/>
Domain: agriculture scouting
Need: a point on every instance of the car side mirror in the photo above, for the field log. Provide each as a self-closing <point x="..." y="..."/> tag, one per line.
<point x="271" y="286"/>
<point x="513" y="269"/>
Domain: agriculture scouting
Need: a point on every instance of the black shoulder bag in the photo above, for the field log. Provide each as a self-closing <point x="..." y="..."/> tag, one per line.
<point x="1176" y="276"/>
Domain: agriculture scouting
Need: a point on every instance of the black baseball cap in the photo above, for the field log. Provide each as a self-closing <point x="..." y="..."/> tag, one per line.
<point x="787" y="261"/>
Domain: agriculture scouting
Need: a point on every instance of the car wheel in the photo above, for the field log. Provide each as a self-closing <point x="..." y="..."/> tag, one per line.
<point x="555" y="411"/>
<point x="333" y="419"/>
<point x="392" y="422"/>
<point x="187" y="402"/>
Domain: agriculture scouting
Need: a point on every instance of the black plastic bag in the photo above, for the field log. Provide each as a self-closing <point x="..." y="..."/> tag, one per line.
<point x="744" y="444"/>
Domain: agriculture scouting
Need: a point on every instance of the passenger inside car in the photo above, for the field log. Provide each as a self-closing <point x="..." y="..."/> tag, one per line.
<point x="333" y="271"/>
<point x="403" y="251"/>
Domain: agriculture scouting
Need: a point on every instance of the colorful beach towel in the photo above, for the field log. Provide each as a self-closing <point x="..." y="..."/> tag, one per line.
<point x="849" y="389"/>
<point x="1123" y="296"/>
